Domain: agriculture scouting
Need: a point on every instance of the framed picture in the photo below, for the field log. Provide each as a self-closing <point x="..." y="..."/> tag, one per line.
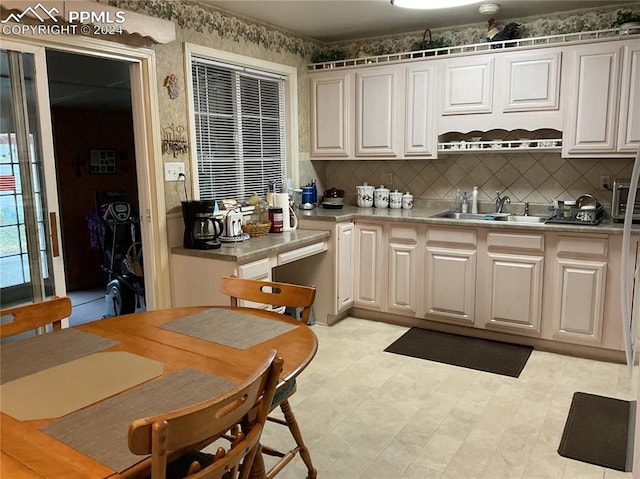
<point x="102" y="161"/>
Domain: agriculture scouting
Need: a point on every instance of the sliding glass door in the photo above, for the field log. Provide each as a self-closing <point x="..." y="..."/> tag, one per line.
<point x="31" y="267"/>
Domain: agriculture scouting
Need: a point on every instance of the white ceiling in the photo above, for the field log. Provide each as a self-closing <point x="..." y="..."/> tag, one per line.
<point x="339" y="20"/>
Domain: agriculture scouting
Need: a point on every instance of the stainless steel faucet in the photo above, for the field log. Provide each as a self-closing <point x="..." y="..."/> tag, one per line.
<point x="526" y="208"/>
<point x="500" y="201"/>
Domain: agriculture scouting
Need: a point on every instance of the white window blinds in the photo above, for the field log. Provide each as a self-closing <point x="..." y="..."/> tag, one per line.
<point x="240" y="129"/>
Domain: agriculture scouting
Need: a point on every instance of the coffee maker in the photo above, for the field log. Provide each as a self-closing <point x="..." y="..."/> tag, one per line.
<point x="201" y="229"/>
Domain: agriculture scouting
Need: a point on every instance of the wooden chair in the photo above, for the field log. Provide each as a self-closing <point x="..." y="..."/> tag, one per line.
<point x="35" y="315"/>
<point x="173" y="433"/>
<point x="278" y="294"/>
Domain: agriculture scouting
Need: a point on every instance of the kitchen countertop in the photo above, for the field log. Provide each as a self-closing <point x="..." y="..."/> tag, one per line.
<point x="258" y="247"/>
<point x="425" y="215"/>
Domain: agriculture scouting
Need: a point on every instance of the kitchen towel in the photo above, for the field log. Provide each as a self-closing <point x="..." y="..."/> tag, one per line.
<point x="597" y="431"/>
<point x="473" y="353"/>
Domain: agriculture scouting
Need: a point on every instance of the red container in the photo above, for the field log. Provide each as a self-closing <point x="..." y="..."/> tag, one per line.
<point x="277" y="220"/>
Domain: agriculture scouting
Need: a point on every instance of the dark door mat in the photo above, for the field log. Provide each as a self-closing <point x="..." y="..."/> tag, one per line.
<point x="473" y="353"/>
<point x="597" y="431"/>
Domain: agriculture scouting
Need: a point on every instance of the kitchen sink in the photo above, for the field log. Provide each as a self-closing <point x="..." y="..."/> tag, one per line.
<point x="523" y="219"/>
<point x="492" y="217"/>
<point x="471" y="216"/>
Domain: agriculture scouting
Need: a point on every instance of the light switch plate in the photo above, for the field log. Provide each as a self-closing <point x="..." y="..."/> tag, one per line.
<point x="172" y="171"/>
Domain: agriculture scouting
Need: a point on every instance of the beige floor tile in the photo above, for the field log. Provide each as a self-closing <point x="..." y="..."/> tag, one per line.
<point x="368" y="414"/>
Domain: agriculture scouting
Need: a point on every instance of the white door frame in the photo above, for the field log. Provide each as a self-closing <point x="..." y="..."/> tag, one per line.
<point x="146" y="126"/>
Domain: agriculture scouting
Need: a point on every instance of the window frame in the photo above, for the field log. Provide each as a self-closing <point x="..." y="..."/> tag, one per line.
<point x="290" y="75"/>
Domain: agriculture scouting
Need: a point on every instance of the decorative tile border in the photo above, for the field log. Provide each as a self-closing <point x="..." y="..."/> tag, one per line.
<point x="196" y="17"/>
<point x="226" y="25"/>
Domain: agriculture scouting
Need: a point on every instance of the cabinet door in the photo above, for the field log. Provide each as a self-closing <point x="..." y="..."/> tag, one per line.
<point x="516" y="291"/>
<point x="468" y="86"/>
<point x="369" y="266"/>
<point x="330" y="114"/>
<point x="629" y="127"/>
<point x="419" y="137"/>
<point x="377" y="111"/>
<point x="344" y="267"/>
<point x="403" y="278"/>
<point x="450" y="284"/>
<point x="593" y="107"/>
<point x="580" y="300"/>
<point x="530" y="81"/>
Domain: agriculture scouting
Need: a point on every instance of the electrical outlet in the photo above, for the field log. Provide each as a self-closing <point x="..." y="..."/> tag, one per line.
<point x="172" y="171"/>
<point x="605" y="182"/>
<point x="387" y="178"/>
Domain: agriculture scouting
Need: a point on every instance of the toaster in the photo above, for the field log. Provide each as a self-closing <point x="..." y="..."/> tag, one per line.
<point x="619" y="201"/>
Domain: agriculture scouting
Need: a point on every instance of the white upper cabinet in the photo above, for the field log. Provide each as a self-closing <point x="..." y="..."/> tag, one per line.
<point x="603" y="104"/>
<point x="419" y="134"/>
<point x="378" y="111"/>
<point x="331" y="114"/>
<point x="629" y="126"/>
<point x="506" y="90"/>
<point x="468" y="85"/>
<point x="531" y="81"/>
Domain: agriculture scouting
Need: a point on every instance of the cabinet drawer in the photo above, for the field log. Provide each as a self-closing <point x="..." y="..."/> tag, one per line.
<point x="509" y="241"/>
<point x="260" y="269"/>
<point x="401" y="234"/>
<point x="455" y="236"/>
<point x="299" y="253"/>
<point x="578" y="245"/>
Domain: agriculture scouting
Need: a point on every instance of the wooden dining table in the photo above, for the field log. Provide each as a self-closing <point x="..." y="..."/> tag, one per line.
<point x="30" y="449"/>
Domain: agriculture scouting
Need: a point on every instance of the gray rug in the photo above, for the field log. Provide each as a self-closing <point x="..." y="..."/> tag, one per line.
<point x="473" y="353"/>
<point x="597" y="431"/>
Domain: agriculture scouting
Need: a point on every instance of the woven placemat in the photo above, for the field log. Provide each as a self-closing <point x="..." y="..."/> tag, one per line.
<point x="229" y="327"/>
<point x="100" y="431"/>
<point x="28" y="356"/>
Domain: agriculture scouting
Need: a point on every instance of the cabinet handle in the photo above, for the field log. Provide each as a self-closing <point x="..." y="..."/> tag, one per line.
<point x="55" y="249"/>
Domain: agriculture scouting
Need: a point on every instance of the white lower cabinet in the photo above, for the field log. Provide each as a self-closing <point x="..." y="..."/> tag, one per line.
<point x="403" y="270"/>
<point x="450" y="275"/>
<point x="369" y="266"/>
<point x="580" y="279"/>
<point x="344" y="265"/>
<point x="512" y="276"/>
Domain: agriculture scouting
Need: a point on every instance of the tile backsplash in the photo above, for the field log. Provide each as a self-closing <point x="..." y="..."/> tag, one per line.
<point x="536" y="177"/>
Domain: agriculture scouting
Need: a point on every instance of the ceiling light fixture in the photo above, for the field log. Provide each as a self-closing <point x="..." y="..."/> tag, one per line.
<point x="431" y="4"/>
<point x="489" y="8"/>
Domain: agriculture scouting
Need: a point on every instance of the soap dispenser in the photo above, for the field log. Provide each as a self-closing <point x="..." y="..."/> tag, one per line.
<point x="465" y="203"/>
<point x="474" y="200"/>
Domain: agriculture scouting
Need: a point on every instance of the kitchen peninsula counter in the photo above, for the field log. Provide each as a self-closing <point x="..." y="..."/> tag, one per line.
<point x="426" y="215"/>
<point x="196" y="273"/>
<point x="258" y="247"/>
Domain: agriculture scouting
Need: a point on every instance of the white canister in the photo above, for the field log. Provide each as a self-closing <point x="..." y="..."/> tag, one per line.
<point x="407" y="201"/>
<point x="381" y="197"/>
<point x="365" y="195"/>
<point x="395" y="199"/>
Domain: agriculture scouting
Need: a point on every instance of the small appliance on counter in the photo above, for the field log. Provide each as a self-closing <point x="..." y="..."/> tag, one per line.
<point x="619" y="201"/>
<point x="233" y="227"/>
<point x="201" y="229"/>
<point x="309" y="197"/>
<point x="333" y="198"/>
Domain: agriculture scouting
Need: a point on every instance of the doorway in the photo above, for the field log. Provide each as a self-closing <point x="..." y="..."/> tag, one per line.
<point x="146" y="126"/>
<point x="94" y="144"/>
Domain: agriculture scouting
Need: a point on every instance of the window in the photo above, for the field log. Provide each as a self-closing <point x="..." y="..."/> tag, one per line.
<point x="239" y="129"/>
